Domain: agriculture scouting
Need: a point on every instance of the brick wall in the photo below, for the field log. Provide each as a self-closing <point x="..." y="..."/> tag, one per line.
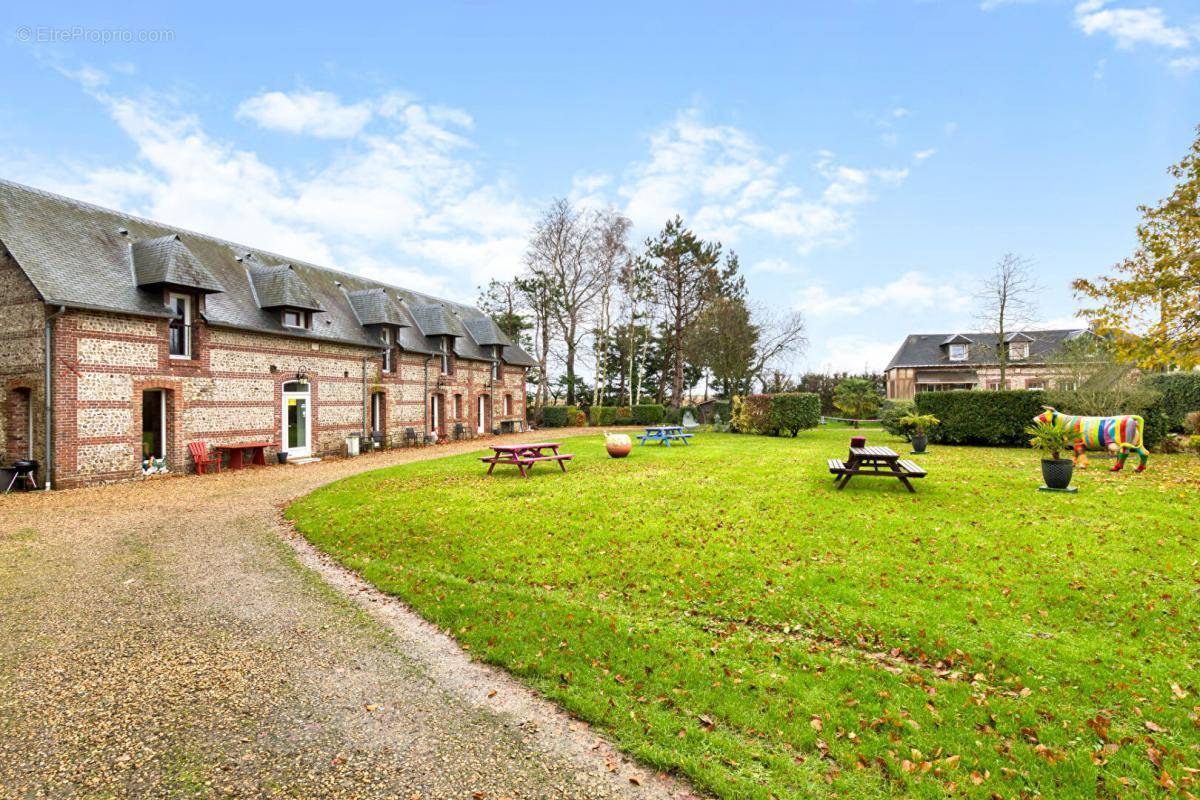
<point x="22" y="316"/>
<point x="232" y="391"/>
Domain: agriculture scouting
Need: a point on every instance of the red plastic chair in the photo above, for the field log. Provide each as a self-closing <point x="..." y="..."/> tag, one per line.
<point x="199" y="451"/>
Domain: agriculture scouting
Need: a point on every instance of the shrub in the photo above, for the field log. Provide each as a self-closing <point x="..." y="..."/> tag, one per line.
<point x="1180" y="395"/>
<point x="1191" y="423"/>
<point x="794" y="411"/>
<point x="648" y="414"/>
<point x="724" y="408"/>
<point x="752" y="413"/>
<point x="970" y="416"/>
<point x="602" y="415"/>
<point x="893" y="411"/>
<point x="672" y="416"/>
<point x="858" y="397"/>
<point x="554" y="417"/>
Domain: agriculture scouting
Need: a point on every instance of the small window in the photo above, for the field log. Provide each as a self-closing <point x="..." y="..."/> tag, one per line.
<point x="180" y="325"/>
<point x="386" y="335"/>
<point x="445" y="355"/>
<point x="508" y="405"/>
<point x="1035" y="383"/>
<point x="497" y="367"/>
<point x="294" y="319"/>
<point x="377" y="406"/>
<point x="458" y="406"/>
<point x="1018" y="350"/>
<point x="958" y="352"/>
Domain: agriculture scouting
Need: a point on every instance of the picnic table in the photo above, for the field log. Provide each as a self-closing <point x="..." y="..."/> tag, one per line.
<point x="664" y="434"/>
<point x="524" y="456"/>
<point x="237" y="453"/>
<point x="874" y="461"/>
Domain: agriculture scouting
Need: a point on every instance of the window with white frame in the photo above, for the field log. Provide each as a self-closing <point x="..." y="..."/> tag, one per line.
<point x="1018" y="350"/>
<point x="180" y="325"/>
<point x="496" y="368"/>
<point x="958" y="352"/>
<point x="386" y="336"/>
<point x="293" y="318"/>
<point x="1035" y="383"/>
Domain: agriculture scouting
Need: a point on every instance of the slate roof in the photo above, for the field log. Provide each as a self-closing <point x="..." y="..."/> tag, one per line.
<point x="376" y="307"/>
<point x="166" y="261"/>
<point x="486" y="332"/>
<point x="927" y="350"/>
<point x="279" y="286"/>
<point x="82" y="256"/>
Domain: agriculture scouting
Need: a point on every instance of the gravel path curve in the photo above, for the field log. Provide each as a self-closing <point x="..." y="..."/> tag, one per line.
<point x="172" y="638"/>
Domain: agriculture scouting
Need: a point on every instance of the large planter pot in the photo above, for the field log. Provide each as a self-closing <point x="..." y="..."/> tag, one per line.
<point x="1056" y="472"/>
<point x="618" y="445"/>
<point x="919" y="442"/>
<point x="282" y="456"/>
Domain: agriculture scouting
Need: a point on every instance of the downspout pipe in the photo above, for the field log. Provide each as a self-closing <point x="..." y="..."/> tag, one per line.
<point x="48" y="392"/>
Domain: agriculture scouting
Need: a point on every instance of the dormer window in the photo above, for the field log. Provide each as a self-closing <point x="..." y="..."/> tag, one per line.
<point x="180" y="326"/>
<point x="387" y="336"/>
<point x="497" y="371"/>
<point x="1018" y="351"/>
<point x="959" y="352"/>
<point x="293" y="318"/>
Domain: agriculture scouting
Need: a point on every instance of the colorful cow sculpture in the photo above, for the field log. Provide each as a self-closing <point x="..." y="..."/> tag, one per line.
<point x="1119" y="435"/>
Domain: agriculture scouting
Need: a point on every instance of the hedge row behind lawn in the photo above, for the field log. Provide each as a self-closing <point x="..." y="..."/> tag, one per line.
<point x="972" y="416"/>
<point x="1180" y="395"/>
<point x="554" y="417"/>
<point x="648" y="414"/>
<point x="774" y="414"/>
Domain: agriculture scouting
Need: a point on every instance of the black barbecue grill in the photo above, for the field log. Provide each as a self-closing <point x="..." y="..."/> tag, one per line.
<point x="23" y="471"/>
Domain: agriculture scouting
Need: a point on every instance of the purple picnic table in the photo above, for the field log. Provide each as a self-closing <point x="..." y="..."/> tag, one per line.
<point x="524" y="456"/>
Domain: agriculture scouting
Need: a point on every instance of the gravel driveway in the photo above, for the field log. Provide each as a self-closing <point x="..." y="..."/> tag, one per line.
<point x="169" y="638"/>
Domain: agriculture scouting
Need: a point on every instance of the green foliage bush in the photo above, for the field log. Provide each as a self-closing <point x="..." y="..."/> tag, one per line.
<point x="972" y="416"/>
<point x="890" y="415"/>
<point x="554" y="417"/>
<point x="648" y="414"/>
<point x="773" y="414"/>
<point x="792" y="412"/>
<point x="724" y="408"/>
<point x="602" y="415"/>
<point x="1180" y="395"/>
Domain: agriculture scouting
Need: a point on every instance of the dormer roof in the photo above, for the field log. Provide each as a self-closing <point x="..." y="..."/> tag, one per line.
<point x="279" y="286"/>
<point x="166" y="261"/>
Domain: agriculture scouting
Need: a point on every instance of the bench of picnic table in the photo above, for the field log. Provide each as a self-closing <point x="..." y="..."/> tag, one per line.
<point x="910" y="469"/>
<point x="507" y="459"/>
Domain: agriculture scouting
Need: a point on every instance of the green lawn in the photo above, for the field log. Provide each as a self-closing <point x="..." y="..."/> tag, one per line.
<point x="724" y="613"/>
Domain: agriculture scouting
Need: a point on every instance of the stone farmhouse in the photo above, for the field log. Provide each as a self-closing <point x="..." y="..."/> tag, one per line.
<point x="937" y="362"/>
<point x="123" y="339"/>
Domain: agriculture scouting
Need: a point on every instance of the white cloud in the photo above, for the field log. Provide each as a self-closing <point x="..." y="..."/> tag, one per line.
<point x="406" y="204"/>
<point x="727" y="186"/>
<point x="913" y="292"/>
<point x="854" y="353"/>
<point x="774" y="266"/>
<point x="1130" y="26"/>
<point x="320" y="114"/>
<point x="1186" y="64"/>
<point x="921" y="155"/>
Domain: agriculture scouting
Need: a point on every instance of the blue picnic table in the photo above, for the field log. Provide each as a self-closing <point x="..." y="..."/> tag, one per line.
<point x="664" y="434"/>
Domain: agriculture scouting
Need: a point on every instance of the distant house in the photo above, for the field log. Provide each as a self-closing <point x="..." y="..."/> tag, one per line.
<point x="938" y="362"/>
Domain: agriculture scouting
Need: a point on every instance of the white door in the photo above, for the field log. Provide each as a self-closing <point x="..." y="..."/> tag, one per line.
<point x="296" y="437"/>
<point x="481" y="416"/>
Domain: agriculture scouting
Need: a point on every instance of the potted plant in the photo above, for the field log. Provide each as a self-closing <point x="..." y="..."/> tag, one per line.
<point x="917" y="427"/>
<point x="1053" y="439"/>
<point x="282" y="456"/>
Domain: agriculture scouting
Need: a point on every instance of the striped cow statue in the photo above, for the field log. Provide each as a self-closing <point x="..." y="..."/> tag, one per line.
<point x="1119" y="435"/>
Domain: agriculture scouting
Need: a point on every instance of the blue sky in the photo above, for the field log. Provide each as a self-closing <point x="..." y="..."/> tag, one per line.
<point x="867" y="160"/>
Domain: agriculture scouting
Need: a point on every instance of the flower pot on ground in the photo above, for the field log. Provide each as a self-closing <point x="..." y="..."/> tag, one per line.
<point x="917" y="427"/>
<point x="618" y="445"/>
<point x="282" y="456"/>
<point x="1053" y="439"/>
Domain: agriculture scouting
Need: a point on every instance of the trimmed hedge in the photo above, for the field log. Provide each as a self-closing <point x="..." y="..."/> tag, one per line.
<point x="1180" y="395"/>
<point x="774" y="414"/>
<point x="554" y="417"/>
<point x="602" y="415"/>
<point x="973" y="416"/>
<point x="648" y="414"/>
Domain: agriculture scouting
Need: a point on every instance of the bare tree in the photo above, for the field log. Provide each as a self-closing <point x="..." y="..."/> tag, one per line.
<point x="1008" y="302"/>
<point x="610" y="255"/>
<point x="538" y="295"/>
<point x="781" y="336"/>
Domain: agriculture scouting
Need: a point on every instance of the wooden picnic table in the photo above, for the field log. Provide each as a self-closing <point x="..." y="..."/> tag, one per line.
<point x="664" y="434"/>
<point x="874" y="461"/>
<point x="524" y="456"/>
<point x="237" y="453"/>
